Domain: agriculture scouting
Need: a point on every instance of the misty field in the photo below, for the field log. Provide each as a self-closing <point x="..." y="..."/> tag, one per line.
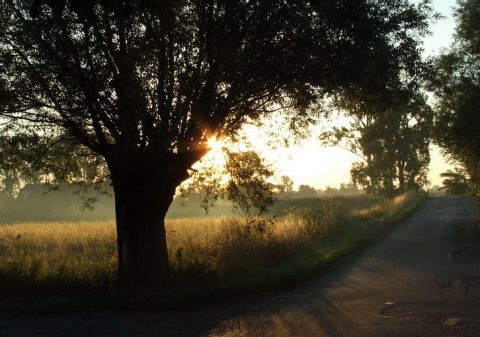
<point x="73" y="259"/>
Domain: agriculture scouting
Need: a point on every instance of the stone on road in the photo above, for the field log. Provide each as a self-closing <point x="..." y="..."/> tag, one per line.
<point x="421" y="280"/>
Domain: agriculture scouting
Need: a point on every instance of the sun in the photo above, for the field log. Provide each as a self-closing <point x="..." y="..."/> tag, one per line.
<point x="214" y="144"/>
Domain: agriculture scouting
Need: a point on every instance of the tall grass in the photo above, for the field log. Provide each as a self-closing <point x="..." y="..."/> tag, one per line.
<point x="37" y="258"/>
<point x="216" y="249"/>
<point x="73" y="259"/>
<point x="389" y="209"/>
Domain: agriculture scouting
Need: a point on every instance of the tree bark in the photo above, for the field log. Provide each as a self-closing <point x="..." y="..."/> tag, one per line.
<point x="401" y="177"/>
<point x="144" y="188"/>
<point x="371" y="174"/>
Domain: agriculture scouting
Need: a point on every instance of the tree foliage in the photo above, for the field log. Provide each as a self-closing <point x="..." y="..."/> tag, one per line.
<point x="306" y="191"/>
<point x="457" y="89"/>
<point x="391" y="137"/>
<point x="145" y="84"/>
<point x="29" y="158"/>
<point x="455" y="182"/>
<point x="248" y="187"/>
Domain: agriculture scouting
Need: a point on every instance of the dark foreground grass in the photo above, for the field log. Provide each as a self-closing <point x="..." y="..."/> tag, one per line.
<point x="315" y="238"/>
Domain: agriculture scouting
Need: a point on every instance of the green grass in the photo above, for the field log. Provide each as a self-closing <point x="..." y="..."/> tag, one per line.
<point x="46" y="267"/>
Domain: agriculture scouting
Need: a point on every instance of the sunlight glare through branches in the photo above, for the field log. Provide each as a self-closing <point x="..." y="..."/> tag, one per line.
<point x="215" y="144"/>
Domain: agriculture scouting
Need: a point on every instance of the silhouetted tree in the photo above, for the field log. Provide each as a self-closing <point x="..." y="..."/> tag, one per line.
<point x="248" y="187"/>
<point x="457" y="89"/>
<point x="306" y="191"/>
<point x="349" y="189"/>
<point x="331" y="191"/>
<point x="285" y="187"/>
<point x="145" y="84"/>
<point x="455" y="182"/>
<point x="391" y="134"/>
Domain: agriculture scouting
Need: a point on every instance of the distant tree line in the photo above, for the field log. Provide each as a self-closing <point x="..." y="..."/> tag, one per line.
<point x="58" y="202"/>
<point x="286" y="190"/>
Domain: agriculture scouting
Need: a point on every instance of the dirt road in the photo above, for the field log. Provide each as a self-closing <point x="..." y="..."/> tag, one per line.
<point x="421" y="280"/>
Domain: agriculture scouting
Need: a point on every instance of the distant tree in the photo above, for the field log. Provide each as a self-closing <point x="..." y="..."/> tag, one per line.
<point x="145" y="84"/>
<point x="391" y="134"/>
<point x="306" y="191"/>
<point x="455" y="182"/>
<point x="435" y="189"/>
<point x="407" y="134"/>
<point x="14" y="168"/>
<point x="285" y="187"/>
<point x="457" y="89"/>
<point x="330" y="191"/>
<point x="349" y="189"/>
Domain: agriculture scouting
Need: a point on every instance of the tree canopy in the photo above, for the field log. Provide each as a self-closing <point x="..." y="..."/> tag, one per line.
<point x="455" y="182"/>
<point x="391" y="136"/>
<point x="457" y="89"/>
<point x="145" y="84"/>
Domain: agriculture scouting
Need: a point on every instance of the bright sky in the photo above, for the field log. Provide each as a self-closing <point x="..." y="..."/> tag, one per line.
<point x="313" y="165"/>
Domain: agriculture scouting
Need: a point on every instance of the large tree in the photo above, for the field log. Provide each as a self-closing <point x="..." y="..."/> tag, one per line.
<point x="145" y="84"/>
<point x="457" y="90"/>
<point x="390" y="133"/>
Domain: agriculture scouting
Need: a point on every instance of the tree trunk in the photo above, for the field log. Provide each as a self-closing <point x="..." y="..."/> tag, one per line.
<point x="144" y="190"/>
<point x="390" y="185"/>
<point x="401" y="177"/>
<point x="371" y="174"/>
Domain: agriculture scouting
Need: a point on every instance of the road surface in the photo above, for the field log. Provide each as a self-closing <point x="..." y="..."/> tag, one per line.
<point x="423" y="279"/>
